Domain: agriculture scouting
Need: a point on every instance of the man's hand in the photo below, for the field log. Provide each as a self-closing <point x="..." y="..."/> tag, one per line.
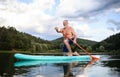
<point x="74" y="41"/>
<point x="56" y="28"/>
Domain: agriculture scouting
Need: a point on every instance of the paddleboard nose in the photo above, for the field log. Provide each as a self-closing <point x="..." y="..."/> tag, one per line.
<point x="95" y="57"/>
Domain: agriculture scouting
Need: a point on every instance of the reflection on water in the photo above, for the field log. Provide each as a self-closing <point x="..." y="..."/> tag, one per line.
<point x="67" y="68"/>
<point x="6" y="65"/>
<point x="107" y="66"/>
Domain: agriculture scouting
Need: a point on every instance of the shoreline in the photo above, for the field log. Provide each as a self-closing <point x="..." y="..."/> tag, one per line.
<point x="81" y="53"/>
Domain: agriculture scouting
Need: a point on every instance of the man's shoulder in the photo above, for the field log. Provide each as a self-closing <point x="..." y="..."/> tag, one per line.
<point x="62" y="28"/>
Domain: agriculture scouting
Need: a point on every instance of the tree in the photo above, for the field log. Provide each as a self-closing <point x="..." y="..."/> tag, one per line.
<point x="89" y="49"/>
<point x="101" y="48"/>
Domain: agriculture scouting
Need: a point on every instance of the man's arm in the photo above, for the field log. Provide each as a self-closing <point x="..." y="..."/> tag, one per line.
<point x="58" y="30"/>
<point x="74" y="34"/>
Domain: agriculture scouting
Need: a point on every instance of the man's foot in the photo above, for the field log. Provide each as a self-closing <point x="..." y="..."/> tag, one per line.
<point x="69" y="53"/>
<point x="76" y="54"/>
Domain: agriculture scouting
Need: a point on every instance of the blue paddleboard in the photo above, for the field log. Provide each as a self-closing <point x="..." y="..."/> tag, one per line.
<point x="26" y="57"/>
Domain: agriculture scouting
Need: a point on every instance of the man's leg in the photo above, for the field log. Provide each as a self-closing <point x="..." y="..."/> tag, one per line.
<point x="66" y="42"/>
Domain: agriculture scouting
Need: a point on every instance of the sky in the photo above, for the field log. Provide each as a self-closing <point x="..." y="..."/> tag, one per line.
<point x="91" y="19"/>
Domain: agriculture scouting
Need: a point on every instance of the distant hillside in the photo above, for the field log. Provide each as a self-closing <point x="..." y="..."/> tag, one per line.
<point x="10" y="39"/>
<point x="84" y="43"/>
<point x="111" y="43"/>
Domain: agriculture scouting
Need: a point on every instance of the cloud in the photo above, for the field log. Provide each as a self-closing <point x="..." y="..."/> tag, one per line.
<point x="111" y="28"/>
<point x="117" y="10"/>
<point x="84" y="8"/>
<point x="30" y="17"/>
<point x="98" y="34"/>
<point x="26" y="17"/>
<point x="2" y="20"/>
<point x="17" y="5"/>
<point x="115" y="23"/>
<point x="84" y="30"/>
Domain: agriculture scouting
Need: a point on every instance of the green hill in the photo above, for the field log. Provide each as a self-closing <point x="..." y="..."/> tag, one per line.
<point x="87" y="44"/>
<point x="82" y="42"/>
<point x="10" y="39"/>
<point x="110" y="44"/>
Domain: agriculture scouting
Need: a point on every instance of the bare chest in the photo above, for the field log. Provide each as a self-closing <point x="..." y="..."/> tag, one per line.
<point x="67" y="31"/>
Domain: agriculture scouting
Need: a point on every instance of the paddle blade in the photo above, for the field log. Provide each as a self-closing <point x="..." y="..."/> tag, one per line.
<point x="95" y="58"/>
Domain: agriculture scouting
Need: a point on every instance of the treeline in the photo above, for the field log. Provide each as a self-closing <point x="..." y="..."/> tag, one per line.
<point x="10" y="39"/>
<point x="86" y="44"/>
<point x="110" y="44"/>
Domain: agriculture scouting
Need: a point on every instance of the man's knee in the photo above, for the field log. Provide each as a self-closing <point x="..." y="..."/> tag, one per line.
<point x="65" y="41"/>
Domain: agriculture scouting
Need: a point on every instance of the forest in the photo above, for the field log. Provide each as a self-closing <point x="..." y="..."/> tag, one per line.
<point x="110" y="44"/>
<point x="11" y="39"/>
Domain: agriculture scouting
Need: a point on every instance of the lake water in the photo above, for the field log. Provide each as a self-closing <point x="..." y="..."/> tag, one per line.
<point x="107" y="66"/>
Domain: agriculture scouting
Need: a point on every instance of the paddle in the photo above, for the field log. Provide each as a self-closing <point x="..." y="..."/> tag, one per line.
<point x="92" y="57"/>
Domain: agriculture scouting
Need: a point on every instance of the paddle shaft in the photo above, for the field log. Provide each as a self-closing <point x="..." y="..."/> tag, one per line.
<point x="92" y="57"/>
<point x="80" y="47"/>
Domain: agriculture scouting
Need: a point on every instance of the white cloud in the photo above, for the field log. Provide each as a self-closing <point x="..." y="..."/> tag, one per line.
<point x="84" y="8"/>
<point x="97" y="34"/>
<point x="85" y="31"/>
<point x="26" y="16"/>
<point x="42" y="4"/>
<point x="81" y="29"/>
<point x="74" y="8"/>
<point x="117" y="10"/>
